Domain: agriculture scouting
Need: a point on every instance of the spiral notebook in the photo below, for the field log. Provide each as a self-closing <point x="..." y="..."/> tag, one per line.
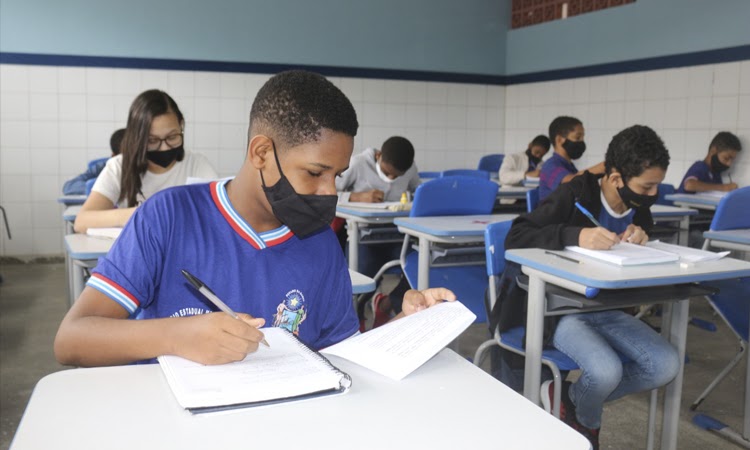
<point x="287" y="370"/>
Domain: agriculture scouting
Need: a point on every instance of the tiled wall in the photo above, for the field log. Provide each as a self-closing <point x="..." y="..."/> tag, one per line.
<point x="55" y="119"/>
<point x="686" y="106"/>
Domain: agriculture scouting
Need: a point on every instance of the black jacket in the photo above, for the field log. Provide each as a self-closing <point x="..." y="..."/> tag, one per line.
<point x="554" y="224"/>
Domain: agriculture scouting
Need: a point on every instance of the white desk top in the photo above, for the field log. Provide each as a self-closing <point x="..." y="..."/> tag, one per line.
<point x="741" y="236"/>
<point x="446" y="404"/>
<point x="597" y="274"/>
<point x="514" y="191"/>
<point x="71" y="212"/>
<point x="696" y="200"/>
<point x="451" y="225"/>
<point x="69" y="200"/>
<point x="663" y="211"/>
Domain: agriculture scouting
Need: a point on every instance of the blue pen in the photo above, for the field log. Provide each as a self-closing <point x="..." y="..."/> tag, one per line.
<point x="588" y="214"/>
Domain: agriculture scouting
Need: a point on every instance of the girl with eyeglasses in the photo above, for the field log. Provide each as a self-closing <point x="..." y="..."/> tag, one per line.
<point x="152" y="158"/>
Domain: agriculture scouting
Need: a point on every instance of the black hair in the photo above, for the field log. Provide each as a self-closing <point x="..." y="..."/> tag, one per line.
<point x="115" y="140"/>
<point x="294" y="106"/>
<point x="540" y="141"/>
<point x="725" y="140"/>
<point x="398" y="152"/>
<point x="562" y="126"/>
<point x="635" y="149"/>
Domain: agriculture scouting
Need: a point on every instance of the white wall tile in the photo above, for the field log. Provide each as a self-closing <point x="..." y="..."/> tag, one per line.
<point x="596" y="117"/>
<point x="437" y="116"/>
<point x="701" y="81"/>
<point x="232" y="137"/>
<point x="437" y="93"/>
<point x="71" y="80"/>
<point x="615" y="115"/>
<point x="476" y="95"/>
<point x="726" y="79"/>
<point x="633" y="113"/>
<point x="457" y="94"/>
<point x="72" y="107"/>
<point x="676" y="83"/>
<point x="15" y="188"/>
<point x="675" y="113"/>
<point x="743" y="116"/>
<point x="581" y="90"/>
<point x="14" y="105"/>
<point x="696" y="145"/>
<point x="634" y="85"/>
<point x="373" y="91"/>
<point x="47" y="240"/>
<point x="181" y="84"/>
<point x="73" y="160"/>
<point x="206" y="135"/>
<point x="14" y="133"/>
<point x="127" y="82"/>
<point x="416" y="115"/>
<point x="566" y="92"/>
<point x="100" y="108"/>
<point x="597" y="89"/>
<point x="416" y="92"/>
<point x="654" y="85"/>
<point x="724" y="112"/>
<point x="653" y="114"/>
<point x="97" y="136"/>
<point x="43" y="215"/>
<point x="456" y="117"/>
<point x="374" y="114"/>
<point x="513" y="96"/>
<point x="615" y="88"/>
<point x="207" y="109"/>
<point x="15" y="161"/>
<point x="232" y="110"/>
<point x="745" y="77"/>
<point x="72" y="135"/>
<point x="14" y="78"/>
<point x="207" y="84"/>
<point x="699" y="112"/>
<point x="99" y="81"/>
<point x="232" y="85"/>
<point x="42" y="79"/>
<point x="44" y="188"/>
<point x="395" y="115"/>
<point x="253" y="83"/>
<point x="45" y="161"/>
<point x="476" y="116"/>
<point x="396" y="91"/>
<point x="154" y="79"/>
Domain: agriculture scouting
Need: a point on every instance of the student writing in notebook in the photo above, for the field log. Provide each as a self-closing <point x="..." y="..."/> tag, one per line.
<point x="635" y="163"/>
<point x="706" y="175"/>
<point x="566" y="135"/>
<point x="152" y="158"/>
<point x="528" y="164"/>
<point x="261" y="241"/>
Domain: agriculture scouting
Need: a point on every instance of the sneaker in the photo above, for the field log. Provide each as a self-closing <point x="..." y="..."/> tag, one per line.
<point x="570" y="418"/>
<point x="381" y="317"/>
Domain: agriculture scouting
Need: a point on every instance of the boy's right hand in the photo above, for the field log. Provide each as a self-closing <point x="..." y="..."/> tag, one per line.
<point x="597" y="238"/>
<point x="217" y="338"/>
<point x="373" y="196"/>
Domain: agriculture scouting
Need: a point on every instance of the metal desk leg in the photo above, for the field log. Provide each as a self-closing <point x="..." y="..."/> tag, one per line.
<point x="673" y="391"/>
<point x="353" y="227"/>
<point x="684" y="233"/>
<point x="423" y="271"/>
<point x="78" y="269"/>
<point x="534" y="336"/>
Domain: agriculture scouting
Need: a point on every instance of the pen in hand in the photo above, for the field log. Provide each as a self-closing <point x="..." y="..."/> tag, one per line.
<point x="588" y="214"/>
<point x="209" y="294"/>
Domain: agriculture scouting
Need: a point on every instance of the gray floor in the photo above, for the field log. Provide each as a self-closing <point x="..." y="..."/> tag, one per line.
<point x="33" y="301"/>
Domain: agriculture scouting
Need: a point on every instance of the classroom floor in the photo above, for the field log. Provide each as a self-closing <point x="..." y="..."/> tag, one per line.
<point x="33" y="300"/>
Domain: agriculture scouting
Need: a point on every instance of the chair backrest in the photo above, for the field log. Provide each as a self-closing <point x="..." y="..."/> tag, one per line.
<point x="664" y="189"/>
<point x="454" y="196"/>
<point x="96" y="162"/>
<point x="491" y="163"/>
<point x="731" y="303"/>
<point x="429" y="175"/>
<point x="90" y="185"/>
<point x="732" y="212"/>
<point x="532" y="199"/>
<point x="466" y="173"/>
<point x="494" y="246"/>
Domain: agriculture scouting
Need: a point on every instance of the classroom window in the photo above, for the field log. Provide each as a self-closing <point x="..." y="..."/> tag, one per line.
<point x="532" y="12"/>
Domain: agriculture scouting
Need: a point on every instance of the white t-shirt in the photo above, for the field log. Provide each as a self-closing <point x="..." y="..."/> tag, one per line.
<point x="193" y="165"/>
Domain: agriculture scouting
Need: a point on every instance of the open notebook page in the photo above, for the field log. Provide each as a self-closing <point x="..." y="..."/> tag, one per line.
<point x="366" y="205"/>
<point x="687" y="254"/>
<point x="112" y="233"/>
<point x="400" y="347"/>
<point x="625" y="254"/>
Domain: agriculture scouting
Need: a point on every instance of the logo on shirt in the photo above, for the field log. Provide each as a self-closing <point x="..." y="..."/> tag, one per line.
<point x="291" y="312"/>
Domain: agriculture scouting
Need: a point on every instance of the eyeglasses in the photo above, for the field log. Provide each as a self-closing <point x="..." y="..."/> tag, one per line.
<point x="172" y="141"/>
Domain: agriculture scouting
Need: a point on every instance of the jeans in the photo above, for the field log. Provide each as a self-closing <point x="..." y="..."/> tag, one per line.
<point x="595" y="342"/>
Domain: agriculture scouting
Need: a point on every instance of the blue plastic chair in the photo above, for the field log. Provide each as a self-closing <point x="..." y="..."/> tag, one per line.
<point x="429" y="175"/>
<point x="532" y="199"/>
<point x="96" y="162"/>
<point x="467" y="173"/>
<point x="491" y="163"/>
<point x="512" y="340"/>
<point x="452" y="196"/>
<point x="664" y="189"/>
<point x="732" y="214"/>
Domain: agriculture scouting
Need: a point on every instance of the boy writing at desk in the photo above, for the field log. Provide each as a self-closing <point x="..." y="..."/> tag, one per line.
<point x="262" y="241"/>
<point x="705" y="175"/>
<point x="635" y="163"/>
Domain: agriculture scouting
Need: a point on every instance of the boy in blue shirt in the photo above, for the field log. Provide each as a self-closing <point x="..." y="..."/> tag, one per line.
<point x="261" y="241"/>
<point x="77" y="185"/>
<point x="706" y="175"/>
<point x="566" y="135"/>
<point x="635" y="163"/>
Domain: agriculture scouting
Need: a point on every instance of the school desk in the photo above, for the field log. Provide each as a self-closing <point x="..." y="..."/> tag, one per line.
<point x="70" y="200"/>
<point x="84" y="251"/>
<point x="445" y="404"/>
<point x="69" y="217"/>
<point x="730" y="239"/>
<point x="670" y="214"/>
<point x="513" y="192"/>
<point x="700" y="201"/>
<point x="358" y="219"/>
<point x="590" y="274"/>
<point x="445" y="230"/>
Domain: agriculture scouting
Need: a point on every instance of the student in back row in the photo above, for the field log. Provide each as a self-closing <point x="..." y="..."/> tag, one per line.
<point x="519" y="166"/>
<point x="77" y="185"/>
<point x="566" y="135"/>
<point x="152" y="158"/>
<point x="635" y="163"/>
<point x="706" y="175"/>
<point x="262" y="241"/>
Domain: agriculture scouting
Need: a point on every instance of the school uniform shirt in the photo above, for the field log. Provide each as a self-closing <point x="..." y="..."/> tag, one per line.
<point x="554" y="170"/>
<point x="302" y="285"/>
<point x="362" y="176"/>
<point x="702" y="172"/>
<point x="513" y="169"/>
<point x="193" y="165"/>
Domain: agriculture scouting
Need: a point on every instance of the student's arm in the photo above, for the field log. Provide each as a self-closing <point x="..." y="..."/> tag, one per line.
<point x="695" y="185"/>
<point x="512" y="172"/>
<point x="546" y="226"/>
<point x="99" y="212"/>
<point x="415" y="301"/>
<point x="97" y="332"/>
<point x="596" y="169"/>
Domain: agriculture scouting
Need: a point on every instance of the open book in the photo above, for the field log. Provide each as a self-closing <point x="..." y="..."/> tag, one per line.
<point x="111" y="233"/>
<point x="687" y="254"/>
<point x="366" y="205"/>
<point x="287" y="370"/>
<point x="398" y="348"/>
<point x="654" y="252"/>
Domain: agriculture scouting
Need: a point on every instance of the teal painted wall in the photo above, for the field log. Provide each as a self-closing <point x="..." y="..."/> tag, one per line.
<point x="465" y="36"/>
<point x="644" y="29"/>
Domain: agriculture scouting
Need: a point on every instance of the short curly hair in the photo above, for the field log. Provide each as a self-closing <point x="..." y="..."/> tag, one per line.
<point x="634" y="150"/>
<point x="724" y="140"/>
<point x="562" y="126"/>
<point x="294" y="106"/>
<point x="398" y="152"/>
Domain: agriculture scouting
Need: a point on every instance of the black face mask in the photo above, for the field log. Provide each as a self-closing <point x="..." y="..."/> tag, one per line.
<point x="575" y="149"/>
<point x="533" y="160"/>
<point x="716" y="165"/>
<point x="635" y="201"/>
<point x="303" y="214"/>
<point x="166" y="157"/>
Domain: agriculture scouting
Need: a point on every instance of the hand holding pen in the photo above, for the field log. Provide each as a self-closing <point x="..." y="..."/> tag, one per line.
<point x="598" y="238"/>
<point x="245" y="318"/>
